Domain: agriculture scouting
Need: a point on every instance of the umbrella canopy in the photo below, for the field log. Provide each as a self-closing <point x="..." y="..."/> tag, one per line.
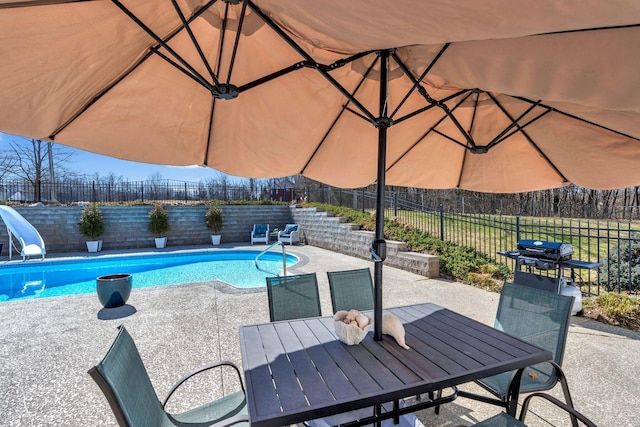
<point x="493" y="95"/>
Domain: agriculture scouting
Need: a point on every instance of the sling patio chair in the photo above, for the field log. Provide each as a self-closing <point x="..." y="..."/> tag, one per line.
<point x="123" y="379"/>
<point x="505" y="420"/>
<point x="260" y="233"/>
<point x="542" y="319"/>
<point x="293" y="297"/>
<point x="546" y="283"/>
<point x="351" y="289"/>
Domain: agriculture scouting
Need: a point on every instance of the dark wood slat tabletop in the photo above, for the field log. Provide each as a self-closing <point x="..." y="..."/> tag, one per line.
<point x="298" y="370"/>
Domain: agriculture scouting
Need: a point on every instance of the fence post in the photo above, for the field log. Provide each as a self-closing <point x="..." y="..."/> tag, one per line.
<point x="441" y="221"/>
<point x="395" y="204"/>
<point x="363" y="208"/>
<point x="142" y="192"/>
<point x="517" y="228"/>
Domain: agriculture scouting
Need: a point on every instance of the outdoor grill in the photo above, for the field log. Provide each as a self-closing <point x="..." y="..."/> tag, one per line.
<point x="541" y="254"/>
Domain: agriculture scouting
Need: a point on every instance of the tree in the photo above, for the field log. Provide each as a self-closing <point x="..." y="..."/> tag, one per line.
<point x="33" y="162"/>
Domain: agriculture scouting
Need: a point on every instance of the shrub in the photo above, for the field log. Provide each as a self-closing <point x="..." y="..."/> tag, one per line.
<point x="158" y="220"/>
<point x="455" y="261"/>
<point x="213" y="219"/>
<point x="622" y="266"/>
<point x="91" y="222"/>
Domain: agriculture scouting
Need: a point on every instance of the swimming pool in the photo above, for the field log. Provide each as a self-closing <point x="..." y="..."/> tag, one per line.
<point x="58" y="277"/>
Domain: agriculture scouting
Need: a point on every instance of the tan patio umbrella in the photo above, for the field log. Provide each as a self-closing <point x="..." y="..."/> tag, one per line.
<point x="494" y="95"/>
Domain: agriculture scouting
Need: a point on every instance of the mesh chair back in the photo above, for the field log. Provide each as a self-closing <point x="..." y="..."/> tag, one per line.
<point x="293" y="297"/>
<point x="539" y="317"/>
<point x="123" y="379"/>
<point x="545" y="283"/>
<point x="351" y="289"/>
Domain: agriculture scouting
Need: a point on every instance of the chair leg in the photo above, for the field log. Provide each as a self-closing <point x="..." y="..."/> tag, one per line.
<point x="565" y="390"/>
<point x="513" y="393"/>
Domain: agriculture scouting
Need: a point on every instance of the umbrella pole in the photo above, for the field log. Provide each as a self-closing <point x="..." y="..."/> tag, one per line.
<point x="379" y="246"/>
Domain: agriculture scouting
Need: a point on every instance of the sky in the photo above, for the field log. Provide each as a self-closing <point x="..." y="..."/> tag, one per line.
<point x="84" y="162"/>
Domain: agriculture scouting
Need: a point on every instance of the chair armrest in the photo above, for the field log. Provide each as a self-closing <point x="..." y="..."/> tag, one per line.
<point x="199" y="370"/>
<point x="556" y="402"/>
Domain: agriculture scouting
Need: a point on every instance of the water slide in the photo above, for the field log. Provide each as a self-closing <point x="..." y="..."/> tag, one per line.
<point x="24" y="233"/>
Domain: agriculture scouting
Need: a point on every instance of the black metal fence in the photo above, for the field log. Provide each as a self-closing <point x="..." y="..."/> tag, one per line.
<point x="141" y="191"/>
<point x="613" y="244"/>
<point x="486" y="226"/>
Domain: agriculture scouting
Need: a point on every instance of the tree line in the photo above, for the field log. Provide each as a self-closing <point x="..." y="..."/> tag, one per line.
<point x="36" y="162"/>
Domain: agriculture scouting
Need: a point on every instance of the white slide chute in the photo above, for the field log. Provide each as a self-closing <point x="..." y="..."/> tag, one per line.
<point x="31" y="243"/>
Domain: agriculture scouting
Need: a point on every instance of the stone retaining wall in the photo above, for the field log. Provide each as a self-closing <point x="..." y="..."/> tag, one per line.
<point x="127" y="227"/>
<point x="322" y="229"/>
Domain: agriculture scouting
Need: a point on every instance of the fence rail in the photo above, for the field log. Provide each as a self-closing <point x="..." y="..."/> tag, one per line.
<point x="614" y="244"/>
<point x="489" y="226"/>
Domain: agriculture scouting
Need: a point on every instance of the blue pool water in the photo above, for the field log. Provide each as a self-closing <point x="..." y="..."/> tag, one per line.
<point x="48" y="278"/>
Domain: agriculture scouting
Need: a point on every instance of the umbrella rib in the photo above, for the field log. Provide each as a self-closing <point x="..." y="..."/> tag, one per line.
<point x="302" y="64"/>
<point x="424" y="135"/>
<point x="589" y="122"/>
<point x="433" y="128"/>
<point x="35" y="3"/>
<point x="187" y="28"/>
<point x="322" y="70"/>
<point x="164" y="44"/>
<point x="438" y="103"/>
<point x="430" y="106"/>
<point x="514" y="123"/>
<point x="99" y="95"/>
<point x="237" y="40"/>
<point x="581" y="30"/>
<point x="531" y="141"/>
<point x="345" y="107"/>
<point x="416" y="82"/>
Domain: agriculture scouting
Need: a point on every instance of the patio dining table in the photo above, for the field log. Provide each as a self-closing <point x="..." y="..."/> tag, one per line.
<point x="298" y="370"/>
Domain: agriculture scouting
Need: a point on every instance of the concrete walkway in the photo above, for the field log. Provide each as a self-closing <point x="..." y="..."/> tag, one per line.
<point x="47" y="346"/>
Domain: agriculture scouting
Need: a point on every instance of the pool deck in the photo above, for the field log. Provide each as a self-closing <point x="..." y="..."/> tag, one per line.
<point x="47" y="346"/>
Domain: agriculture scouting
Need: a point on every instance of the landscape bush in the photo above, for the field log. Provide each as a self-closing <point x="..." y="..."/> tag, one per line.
<point x="456" y="262"/>
<point x="622" y="266"/>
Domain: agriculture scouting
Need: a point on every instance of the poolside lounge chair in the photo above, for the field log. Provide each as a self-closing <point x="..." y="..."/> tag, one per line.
<point x="541" y="318"/>
<point x="260" y="233"/>
<point x="351" y="289"/>
<point x="293" y="297"/>
<point x="123" y="379"/>
<point x="290" y="234"/>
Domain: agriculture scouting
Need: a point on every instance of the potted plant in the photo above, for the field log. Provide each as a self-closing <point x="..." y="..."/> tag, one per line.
<point x="92" y="225"/>
<point x="213" y="219"/>
<point x="159" y="224"/>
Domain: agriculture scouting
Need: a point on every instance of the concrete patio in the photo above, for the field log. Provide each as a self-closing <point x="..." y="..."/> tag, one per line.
<point x="47" y="346"/>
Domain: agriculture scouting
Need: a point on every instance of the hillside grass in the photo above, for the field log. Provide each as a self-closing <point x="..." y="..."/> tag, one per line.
<point x="467" y="265"/>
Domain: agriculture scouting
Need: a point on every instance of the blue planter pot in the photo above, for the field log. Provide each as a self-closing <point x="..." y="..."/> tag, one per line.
<point x="113" y="289"/>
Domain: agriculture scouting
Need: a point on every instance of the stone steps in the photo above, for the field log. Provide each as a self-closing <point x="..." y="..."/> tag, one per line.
<point x="322" y="229"/>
